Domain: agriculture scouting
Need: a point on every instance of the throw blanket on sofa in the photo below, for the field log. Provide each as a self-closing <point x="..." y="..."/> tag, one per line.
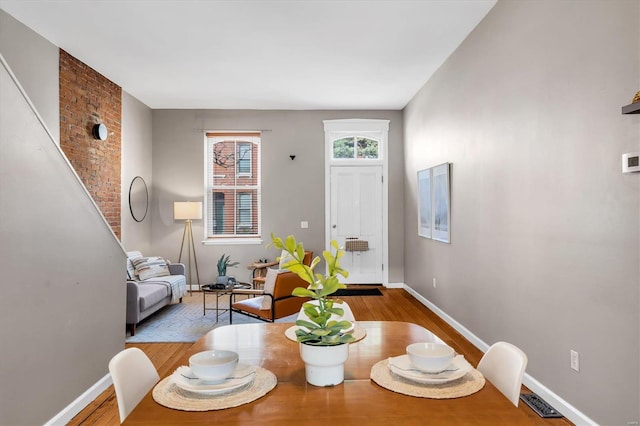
<point x="177" y="283"/>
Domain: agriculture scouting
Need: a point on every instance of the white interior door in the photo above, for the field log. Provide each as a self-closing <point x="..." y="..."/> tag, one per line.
<point x="356" y="213"/>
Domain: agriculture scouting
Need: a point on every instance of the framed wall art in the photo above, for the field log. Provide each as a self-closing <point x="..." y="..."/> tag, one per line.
<point x="440" y="203"/>
<point x="424" y="203"/>
<point x="434" y="203"/>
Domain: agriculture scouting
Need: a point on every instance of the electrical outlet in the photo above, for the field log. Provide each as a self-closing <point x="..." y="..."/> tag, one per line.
<point x="434" y="283"/>
<point x="575" y="360"/>
<point x="304" y="224"/>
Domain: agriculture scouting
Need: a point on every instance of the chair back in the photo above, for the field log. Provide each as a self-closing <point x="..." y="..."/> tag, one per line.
<point x="308" y="257"/>
<point x="282" y="302"/>
<point x="504" y="365"/>
<point x="133" y="375"/>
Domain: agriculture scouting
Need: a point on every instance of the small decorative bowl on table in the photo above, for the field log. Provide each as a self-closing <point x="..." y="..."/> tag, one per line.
<point x="214" y="365"/>
<point x="430" y="357"/>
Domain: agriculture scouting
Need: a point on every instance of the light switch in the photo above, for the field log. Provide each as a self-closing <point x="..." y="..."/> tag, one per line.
<point x="304" y="224"/>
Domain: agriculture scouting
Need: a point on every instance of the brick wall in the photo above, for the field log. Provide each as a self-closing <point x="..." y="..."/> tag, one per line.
<point x="88" y="98"/>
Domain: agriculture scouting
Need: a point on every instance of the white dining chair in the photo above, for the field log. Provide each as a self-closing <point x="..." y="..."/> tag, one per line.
<point x="504" y="365"/>
<point x="133" y="375"/>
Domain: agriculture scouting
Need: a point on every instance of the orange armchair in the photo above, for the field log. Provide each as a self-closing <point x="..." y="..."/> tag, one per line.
<point x="281" y="302"/>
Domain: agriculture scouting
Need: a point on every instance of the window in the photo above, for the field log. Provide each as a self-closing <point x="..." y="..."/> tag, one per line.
<point x="244" y="211"/>
<point x="244" y="159"/>
<point x="355" y="147"/>
<point x="233" y="187"/>
<point x="218" y="212"/>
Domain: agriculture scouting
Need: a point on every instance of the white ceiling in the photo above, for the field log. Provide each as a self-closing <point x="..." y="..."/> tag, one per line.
<point x="252" y="54"/>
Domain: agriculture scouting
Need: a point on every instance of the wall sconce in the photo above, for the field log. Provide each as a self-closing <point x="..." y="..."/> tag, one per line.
<point x="99" y="131"/>
<point x="293" y="157"/>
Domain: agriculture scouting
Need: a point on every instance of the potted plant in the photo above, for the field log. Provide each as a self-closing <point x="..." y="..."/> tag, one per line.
<point x="224" y="263"/>
<point x="324" y="340"/>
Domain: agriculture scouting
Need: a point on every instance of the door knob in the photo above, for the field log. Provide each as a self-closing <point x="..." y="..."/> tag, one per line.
<point x="334" y="226"/>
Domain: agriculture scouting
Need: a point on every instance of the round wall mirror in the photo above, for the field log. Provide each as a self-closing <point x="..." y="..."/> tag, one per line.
<point x="138" y="199"/>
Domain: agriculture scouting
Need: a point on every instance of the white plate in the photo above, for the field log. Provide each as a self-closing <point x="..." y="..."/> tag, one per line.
<point x="401" y="365"/>
<point x="184" y="378"/>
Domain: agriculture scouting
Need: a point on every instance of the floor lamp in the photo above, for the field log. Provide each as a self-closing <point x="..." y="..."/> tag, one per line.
<point x="188" y="211"/>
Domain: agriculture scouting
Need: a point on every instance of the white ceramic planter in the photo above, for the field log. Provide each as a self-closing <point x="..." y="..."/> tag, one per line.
<point x="324" y="365"/>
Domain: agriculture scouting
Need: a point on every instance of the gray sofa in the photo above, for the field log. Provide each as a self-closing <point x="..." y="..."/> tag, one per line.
<point x="144" y="297"/>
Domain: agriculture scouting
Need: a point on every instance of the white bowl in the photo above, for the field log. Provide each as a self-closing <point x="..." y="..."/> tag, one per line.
<point x="214" y="365"/>
<point x="430" y="357"/>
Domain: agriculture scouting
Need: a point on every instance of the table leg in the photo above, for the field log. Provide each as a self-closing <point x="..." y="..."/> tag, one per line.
<point x="217" y="307"/>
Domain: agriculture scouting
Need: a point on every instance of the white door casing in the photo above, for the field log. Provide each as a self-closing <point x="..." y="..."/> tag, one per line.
<point x="354" y="187"/>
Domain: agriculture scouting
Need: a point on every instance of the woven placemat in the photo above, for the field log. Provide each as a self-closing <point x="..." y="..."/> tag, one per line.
<point x="468" y="384"/>
<point x="168" y="394"/>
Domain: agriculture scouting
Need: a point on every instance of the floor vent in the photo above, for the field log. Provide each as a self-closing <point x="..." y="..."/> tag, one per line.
<point x="540" y="406"/>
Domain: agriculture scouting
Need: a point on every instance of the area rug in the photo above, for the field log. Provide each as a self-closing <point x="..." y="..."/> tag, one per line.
<point x="185" y="322"/>
<point x="358" y="292"/>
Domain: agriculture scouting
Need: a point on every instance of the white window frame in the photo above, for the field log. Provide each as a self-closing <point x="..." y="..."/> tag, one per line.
<point x="209" y="141"/>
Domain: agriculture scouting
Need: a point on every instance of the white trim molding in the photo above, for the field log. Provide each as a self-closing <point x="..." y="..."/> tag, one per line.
<point x="71" y="410"/>
<point x="377" y="129"/>
<point x="564" y="407"/>
<point x="231" y="241"/>
<point x="395" y="285"/>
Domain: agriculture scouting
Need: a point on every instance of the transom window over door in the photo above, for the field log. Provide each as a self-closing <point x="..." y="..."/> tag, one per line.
<point x="355" y="148"/>
<point x="232" y="195"/>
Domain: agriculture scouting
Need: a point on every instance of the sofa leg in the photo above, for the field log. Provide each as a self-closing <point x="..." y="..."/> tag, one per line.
<point x="132" y="329"/>
<point x="181" y="300"/>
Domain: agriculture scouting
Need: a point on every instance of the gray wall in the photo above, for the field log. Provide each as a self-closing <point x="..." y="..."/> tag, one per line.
<point x="136" y="161"/>
<point x="544" y="245"/>
<point x="63" y="298"/>
<point x="67" y="296"/>
<point x="292" y="191"/>
<point x="35" y="60"/>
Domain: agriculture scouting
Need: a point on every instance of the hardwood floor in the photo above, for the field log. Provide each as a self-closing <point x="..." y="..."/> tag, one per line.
<point x="393" y="305"/>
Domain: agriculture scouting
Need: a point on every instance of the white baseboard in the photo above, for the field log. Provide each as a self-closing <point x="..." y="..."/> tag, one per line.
<point x="70" y="411"/>
<point x="568" y="410"/>
<point x="395" y="285"/>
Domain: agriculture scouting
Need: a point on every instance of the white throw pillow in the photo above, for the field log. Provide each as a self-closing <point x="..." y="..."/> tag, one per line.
<point x="150" y="267"/>
<point x="284" y="258"/>
<point x="269" y="285"/>
<point x="131" y="270"/>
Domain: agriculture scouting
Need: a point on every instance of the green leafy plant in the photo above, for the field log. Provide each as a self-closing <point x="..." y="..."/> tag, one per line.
<point x="224" y="263"/>
<point x="321" y="330"/>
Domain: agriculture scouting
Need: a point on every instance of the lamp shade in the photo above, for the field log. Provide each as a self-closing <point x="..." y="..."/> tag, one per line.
<point x="186" y="210"/>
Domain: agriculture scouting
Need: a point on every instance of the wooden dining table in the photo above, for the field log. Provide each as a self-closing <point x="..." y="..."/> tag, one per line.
<point x="358" y="400"/>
